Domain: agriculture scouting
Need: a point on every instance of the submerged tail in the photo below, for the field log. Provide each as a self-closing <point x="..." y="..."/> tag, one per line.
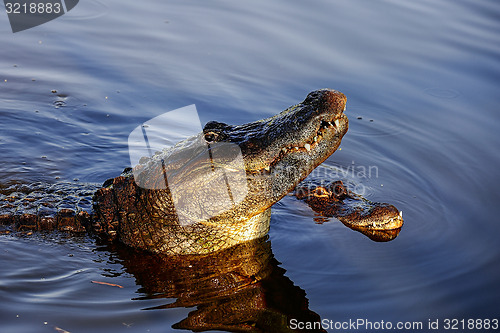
<point x="40" y="206"/>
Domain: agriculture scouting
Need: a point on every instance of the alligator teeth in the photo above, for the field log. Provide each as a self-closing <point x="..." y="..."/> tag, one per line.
<point x="401" y="213"/>
<point x="324" y="124"/>
<point x="337" y="122"/>
<point x="315" y="138"/>
<point x="344" y="108"/>
<point x="283" y="150"/>
<point x="267" y="168"/>
<point x="307" y="147"/>
<point x="330" y="124"/>
<point x="296" y="148"/>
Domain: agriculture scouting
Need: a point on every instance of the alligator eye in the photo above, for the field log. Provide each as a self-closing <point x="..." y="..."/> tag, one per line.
<point x="210" y="137"/>
<point x="321" y="192"/>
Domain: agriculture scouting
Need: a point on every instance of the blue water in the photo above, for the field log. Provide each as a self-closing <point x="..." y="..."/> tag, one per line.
<point x="422" y="85"/>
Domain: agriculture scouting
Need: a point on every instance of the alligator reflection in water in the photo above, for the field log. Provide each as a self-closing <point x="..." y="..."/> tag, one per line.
<point x="240" y="289"/>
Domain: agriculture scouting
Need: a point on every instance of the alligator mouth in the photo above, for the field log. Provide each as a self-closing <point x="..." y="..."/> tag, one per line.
<point x="326" y="129"/>
<point x="380" y="231"/>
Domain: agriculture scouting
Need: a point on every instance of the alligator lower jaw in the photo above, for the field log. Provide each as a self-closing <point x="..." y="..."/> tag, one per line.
<point x="327" y="131"/>
<point x="379" y="235"/>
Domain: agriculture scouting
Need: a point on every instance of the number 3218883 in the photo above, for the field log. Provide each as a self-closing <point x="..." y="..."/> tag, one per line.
<point x="470" y="324"/>
<point x="33" y="8"/>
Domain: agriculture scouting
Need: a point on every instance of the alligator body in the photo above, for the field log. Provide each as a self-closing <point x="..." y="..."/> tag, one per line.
<point x="278" y="153"/>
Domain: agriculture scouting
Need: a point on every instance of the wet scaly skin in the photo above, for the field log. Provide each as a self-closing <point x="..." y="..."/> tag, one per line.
<point x="278" y="153"/>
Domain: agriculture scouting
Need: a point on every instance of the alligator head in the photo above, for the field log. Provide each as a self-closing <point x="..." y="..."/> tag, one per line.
<point x="378" y="221"/>
<point x="266" y="159"/>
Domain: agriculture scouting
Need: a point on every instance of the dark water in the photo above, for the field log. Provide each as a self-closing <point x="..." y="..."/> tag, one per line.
<point x="422" y="77"/>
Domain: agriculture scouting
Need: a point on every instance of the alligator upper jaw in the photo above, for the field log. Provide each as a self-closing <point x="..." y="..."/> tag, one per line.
<point x="387" y="223"/>
<point x="322" y="141"/>
<point x="303" y="135"/>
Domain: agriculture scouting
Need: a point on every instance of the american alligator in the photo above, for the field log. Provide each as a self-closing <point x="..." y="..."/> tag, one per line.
<point x="278" y="153"/>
